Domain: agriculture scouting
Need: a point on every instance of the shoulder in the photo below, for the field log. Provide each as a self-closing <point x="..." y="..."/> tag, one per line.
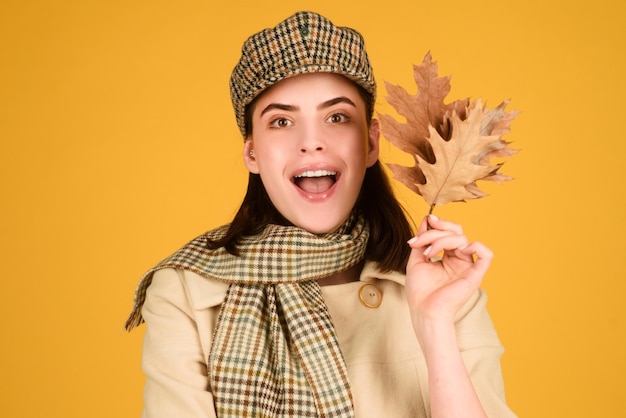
<point x="189" y="258"/>
<point x="200" y="291"/>
<point x="371" y="272"/>
<point x="173" y="291"/>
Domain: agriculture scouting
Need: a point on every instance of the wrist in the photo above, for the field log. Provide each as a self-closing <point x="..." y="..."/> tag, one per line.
<point x="435" y="335"/>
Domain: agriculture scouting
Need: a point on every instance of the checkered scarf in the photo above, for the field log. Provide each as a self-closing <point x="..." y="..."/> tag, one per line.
<point x="274" y="351"/>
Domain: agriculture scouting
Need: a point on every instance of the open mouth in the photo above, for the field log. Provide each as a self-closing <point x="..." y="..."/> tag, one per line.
<point x="315" y="181"/>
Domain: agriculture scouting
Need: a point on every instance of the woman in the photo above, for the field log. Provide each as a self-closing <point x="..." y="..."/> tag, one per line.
<point x="316" y="300"/>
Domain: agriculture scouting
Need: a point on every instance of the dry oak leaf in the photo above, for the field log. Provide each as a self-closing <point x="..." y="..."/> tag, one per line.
<point x="460" y="140"/>
<point x="424" y="109"/>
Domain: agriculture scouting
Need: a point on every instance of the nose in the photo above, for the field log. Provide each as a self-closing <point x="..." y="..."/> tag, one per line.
<point x="311" y="140"/>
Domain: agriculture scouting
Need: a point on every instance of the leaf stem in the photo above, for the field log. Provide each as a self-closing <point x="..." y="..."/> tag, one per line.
<point x="430" y="212"/>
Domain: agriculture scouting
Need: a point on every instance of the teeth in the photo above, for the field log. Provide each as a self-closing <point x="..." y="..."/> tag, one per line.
<point x="316" y="173"/>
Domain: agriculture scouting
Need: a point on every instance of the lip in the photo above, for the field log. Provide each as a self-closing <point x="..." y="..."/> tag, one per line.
<point x="316" y="197"/>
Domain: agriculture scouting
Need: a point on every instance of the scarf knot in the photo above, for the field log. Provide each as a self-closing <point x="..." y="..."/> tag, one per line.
<point x="274" y="351"/>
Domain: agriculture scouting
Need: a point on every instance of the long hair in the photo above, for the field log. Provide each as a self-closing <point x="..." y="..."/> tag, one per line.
<point x="387" y="220"/>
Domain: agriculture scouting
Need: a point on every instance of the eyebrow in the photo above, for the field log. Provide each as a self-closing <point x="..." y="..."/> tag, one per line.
<point x="323" y="105"/>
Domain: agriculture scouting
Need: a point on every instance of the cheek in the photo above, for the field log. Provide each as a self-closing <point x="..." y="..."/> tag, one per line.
<point x="358" y="147"/>
<point x="268" y="157"/>
<point x="271" y="165"/>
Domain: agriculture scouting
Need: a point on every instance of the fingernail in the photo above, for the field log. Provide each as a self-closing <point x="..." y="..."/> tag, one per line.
<point x="427" y="250"/>
<point x="412" y="240"/>
<point x="433" y="217"/>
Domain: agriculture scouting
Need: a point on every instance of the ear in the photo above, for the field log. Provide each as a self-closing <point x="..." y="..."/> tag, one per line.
<point x="373" y="142"/>
<point x="249" y="159"/>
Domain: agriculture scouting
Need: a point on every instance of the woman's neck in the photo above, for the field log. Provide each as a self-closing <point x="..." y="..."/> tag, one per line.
<point x="350" y="275"/>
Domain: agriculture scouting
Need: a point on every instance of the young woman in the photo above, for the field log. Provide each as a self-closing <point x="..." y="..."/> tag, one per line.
<point x="317" y="300"/>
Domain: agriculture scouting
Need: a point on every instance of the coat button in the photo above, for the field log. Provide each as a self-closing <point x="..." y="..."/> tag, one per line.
<point x="370" y="295"/>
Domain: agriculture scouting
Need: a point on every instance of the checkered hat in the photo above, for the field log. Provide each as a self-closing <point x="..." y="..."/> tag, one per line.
<point x="303" y="43"/>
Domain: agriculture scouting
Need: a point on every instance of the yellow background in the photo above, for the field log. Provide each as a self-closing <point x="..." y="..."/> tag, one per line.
<point x="118" y="145"/>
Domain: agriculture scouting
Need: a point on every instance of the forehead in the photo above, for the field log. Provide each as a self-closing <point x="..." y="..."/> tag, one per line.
<point x="311" y="87"/>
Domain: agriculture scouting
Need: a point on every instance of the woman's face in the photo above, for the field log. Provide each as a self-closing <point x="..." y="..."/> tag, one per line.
<point x="311" y="146"/>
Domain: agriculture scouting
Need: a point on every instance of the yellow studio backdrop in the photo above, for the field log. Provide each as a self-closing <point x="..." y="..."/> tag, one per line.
<point x="118" y="145"/>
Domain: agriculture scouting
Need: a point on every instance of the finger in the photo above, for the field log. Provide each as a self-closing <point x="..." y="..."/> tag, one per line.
<point x="449" y="244"/>
<point x="480" y="250"/>
<point x="423" y="226"/>
<point x="482" y="256"/>
<point x="437" y="223"/>
<point x="426" y="238"/>
<point x="416" y="257"/>
<point x="432" y="243"/>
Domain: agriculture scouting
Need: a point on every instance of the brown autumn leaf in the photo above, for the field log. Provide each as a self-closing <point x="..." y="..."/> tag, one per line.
<point x="452" y="144"/>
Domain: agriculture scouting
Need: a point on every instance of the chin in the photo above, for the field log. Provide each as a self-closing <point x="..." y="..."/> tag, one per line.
<point x="321" y="230"/>
<point x="321" y="225"/>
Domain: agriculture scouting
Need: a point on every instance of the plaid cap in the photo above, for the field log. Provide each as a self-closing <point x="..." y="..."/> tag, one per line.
<point x="303" y="43"/>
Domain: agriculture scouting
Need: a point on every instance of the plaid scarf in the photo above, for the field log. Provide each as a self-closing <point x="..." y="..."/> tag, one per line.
<point x="274" y="350"/>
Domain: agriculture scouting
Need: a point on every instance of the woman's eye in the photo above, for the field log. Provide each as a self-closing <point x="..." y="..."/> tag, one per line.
<point x="337" y="118"/>
<point x="280" y="123"/>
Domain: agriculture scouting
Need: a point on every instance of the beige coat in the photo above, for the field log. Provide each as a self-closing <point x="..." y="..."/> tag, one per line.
<point x="388" y="376"/>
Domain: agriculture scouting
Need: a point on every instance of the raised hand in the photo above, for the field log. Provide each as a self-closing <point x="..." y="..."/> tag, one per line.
<point x="444" y="269"/>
